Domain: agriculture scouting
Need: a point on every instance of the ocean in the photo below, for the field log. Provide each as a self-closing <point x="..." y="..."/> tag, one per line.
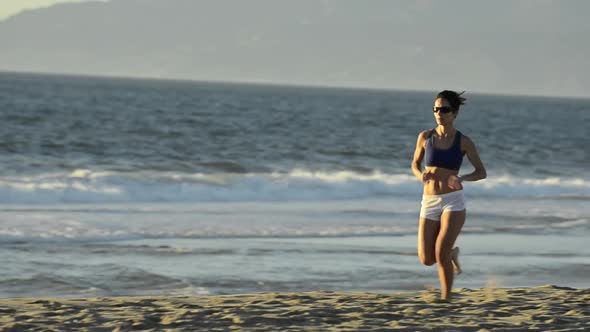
<point x="113" y="187"/>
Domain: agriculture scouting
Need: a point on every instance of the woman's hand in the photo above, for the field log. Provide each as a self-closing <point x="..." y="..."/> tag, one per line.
<point x="454" y="182"/>
<point x="426" y="176"/>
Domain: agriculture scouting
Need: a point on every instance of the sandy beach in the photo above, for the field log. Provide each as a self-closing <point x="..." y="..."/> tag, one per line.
<point x="546" y="308"/>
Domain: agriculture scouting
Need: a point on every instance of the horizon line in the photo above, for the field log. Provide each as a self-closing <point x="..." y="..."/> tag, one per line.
<point x="278" y="84"/>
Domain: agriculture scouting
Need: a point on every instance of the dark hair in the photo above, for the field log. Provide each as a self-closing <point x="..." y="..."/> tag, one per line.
<point x="453" y="98"/>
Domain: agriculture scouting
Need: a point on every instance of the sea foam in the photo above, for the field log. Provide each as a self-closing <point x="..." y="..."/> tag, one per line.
<point x="87" y="186"/>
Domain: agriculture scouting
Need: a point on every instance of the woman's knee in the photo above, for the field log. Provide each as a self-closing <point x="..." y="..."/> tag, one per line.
<point x="443" y="255"/>
<point x="426" y="260"/>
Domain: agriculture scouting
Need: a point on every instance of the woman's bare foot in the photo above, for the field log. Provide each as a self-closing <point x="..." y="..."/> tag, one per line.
<point x="455" y="260"/>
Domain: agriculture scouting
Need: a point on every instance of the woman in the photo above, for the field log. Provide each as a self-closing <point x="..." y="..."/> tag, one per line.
<point x="443" y="207"/>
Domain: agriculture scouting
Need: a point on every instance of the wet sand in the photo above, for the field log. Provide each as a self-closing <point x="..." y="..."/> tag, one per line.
<point x="546" y="308"/>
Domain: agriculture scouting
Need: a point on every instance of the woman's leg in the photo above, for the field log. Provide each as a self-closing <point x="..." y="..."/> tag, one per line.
<point x="427" y="233"/>
<point x="450" y="226"/>
<point x="455" y="260"/>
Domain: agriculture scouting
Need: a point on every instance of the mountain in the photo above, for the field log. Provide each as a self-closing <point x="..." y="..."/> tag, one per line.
<point x="507" y="46"/>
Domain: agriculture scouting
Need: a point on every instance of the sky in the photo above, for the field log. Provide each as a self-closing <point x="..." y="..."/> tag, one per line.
<point x="530" y="47"/>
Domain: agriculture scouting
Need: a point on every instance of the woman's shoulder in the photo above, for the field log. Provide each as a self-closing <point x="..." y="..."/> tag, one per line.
<point x="465" y="140"/>
<point x="424" y="134"/>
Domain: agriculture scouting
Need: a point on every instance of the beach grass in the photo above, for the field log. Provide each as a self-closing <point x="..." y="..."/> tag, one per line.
<point x="545" y="308"/>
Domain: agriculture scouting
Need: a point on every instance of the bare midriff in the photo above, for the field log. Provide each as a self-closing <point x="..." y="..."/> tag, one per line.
<point x="440" y="184"/>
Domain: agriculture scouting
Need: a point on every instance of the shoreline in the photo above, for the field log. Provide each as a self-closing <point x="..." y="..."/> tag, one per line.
<point x="513" y="309"/>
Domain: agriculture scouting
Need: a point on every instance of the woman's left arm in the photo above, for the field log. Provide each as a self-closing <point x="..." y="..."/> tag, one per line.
<point x="471" y="152"/>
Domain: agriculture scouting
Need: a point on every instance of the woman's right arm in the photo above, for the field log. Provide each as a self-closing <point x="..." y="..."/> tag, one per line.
<point x="418" y="156"/>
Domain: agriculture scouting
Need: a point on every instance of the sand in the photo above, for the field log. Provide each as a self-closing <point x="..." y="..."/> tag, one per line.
<point x="546" y="308"/>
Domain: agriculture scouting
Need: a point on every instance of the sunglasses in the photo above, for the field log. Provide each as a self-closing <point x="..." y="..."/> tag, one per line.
<point x="443" y="110"/>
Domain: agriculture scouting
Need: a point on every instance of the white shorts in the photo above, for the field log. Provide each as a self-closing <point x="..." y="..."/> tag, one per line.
<point x="433" y="206"/>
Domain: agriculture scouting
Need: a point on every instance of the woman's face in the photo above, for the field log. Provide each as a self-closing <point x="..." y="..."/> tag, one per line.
<point x="441" y="106"/>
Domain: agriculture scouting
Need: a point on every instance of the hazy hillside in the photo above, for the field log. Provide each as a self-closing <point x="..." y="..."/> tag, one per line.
<point x="399" y="44"/>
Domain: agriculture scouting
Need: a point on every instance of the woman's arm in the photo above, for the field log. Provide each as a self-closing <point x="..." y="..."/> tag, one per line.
<point x="471" y="152"/>
<point x="418" y="156"/>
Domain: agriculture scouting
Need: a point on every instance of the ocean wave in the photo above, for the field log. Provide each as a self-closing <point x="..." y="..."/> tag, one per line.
<point x="87" y="186"/>
<point x="25" y="237"/>
<point x="19" y="237"/>
<point x="101" y="280"/>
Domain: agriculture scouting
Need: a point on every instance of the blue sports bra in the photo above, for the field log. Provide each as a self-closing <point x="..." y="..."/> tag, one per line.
<point x="450" y="158"/>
